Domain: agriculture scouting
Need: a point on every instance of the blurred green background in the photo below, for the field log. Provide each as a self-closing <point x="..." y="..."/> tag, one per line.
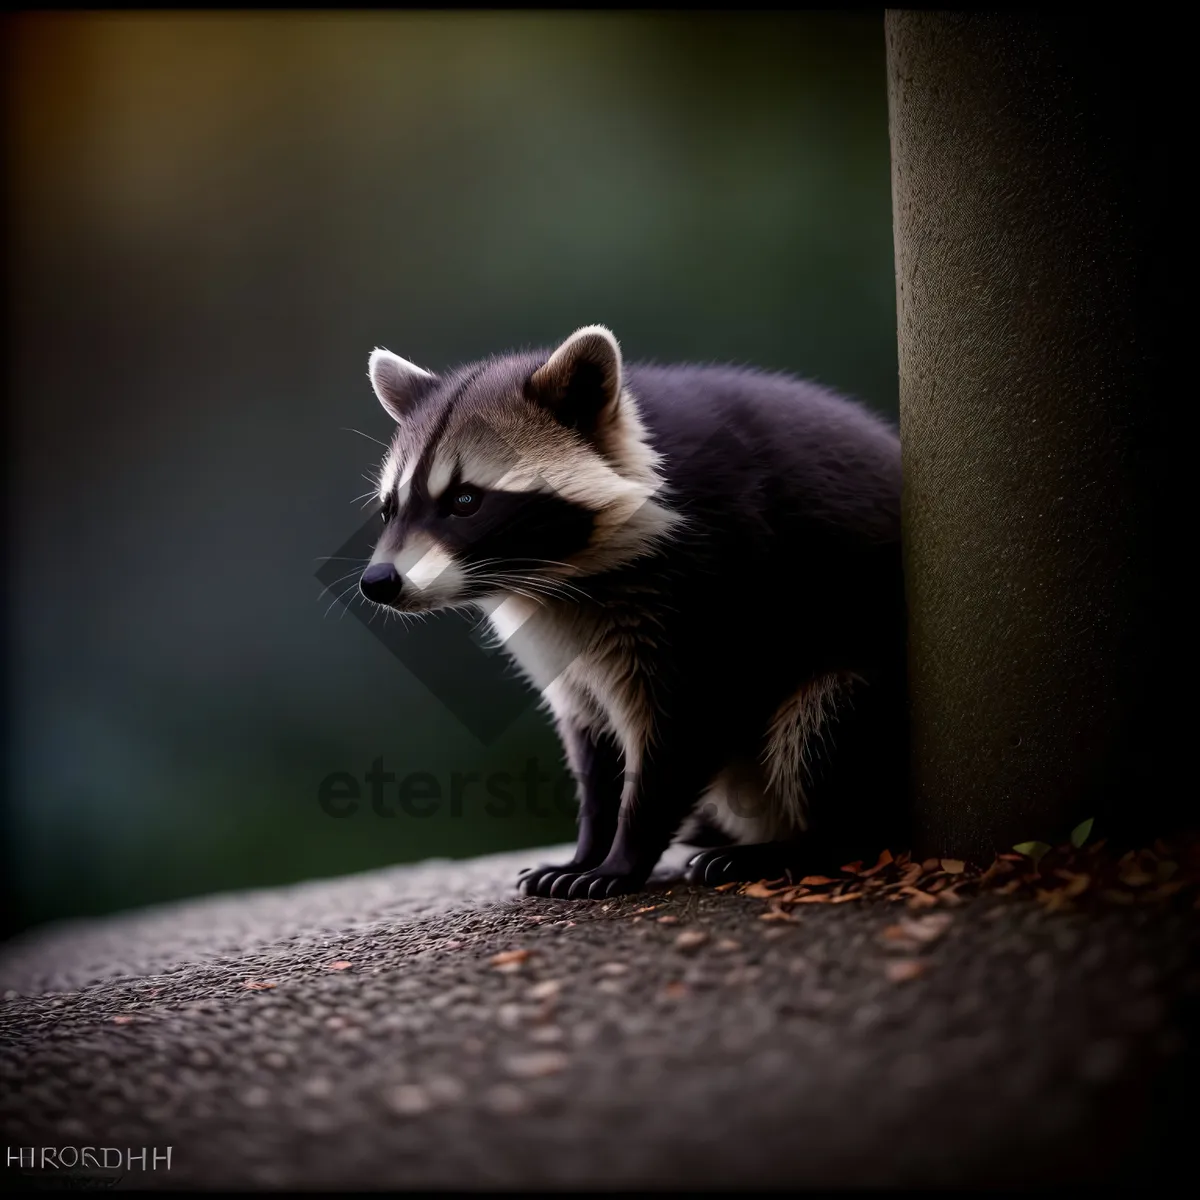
<point x="212" y="220"/>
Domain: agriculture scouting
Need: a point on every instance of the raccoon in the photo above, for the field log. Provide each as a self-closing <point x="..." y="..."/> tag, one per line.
<point x="697" y="566"/>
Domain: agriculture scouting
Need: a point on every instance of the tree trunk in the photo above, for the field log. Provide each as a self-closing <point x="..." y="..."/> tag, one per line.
<point x="1025" y="173"/>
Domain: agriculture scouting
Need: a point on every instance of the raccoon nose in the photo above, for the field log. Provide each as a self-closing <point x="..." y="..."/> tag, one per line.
<point x="381" y="583"/>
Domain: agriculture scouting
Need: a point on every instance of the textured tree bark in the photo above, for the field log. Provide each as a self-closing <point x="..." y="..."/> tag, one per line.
<point x="1026" y="169"/>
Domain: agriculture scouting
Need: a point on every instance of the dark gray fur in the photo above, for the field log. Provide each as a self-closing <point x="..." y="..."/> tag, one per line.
<point x="787" y="570"/>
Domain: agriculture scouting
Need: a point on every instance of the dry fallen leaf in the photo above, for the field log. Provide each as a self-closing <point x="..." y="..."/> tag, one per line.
<point x="1133" y="876"/>
<point x="691" y="939"/>
<point x="1055" y="900"/>
<point x="548" y="989"/>
<point x="124" y="1020"/>
<point x="257" y="985"/>
<point x="726" y="887"/>
<point x="408" y="1100"/>
<point x="669" y="919"/>
<point x="341" y="965"/>
<point x="510" y="960"/>
<point x="776" y="914"/>
<point x="1077" y="884"/>
<point x="999" y="867"/>
<point x="762" y="891"/>
<point x="925" y="929"/>
<point x="537" y="1063"/>
<point x="816" y="881"/>
<point x="675" y="991"/>
<point x="884" y="860"/>
<point x="852" y="868"/>
<point x="903" y="969"/>
<point x="953" y="866"/>
<point x="1164" y="890"/>
<point x="612" y="968"/>
<point x="647" y="908"/>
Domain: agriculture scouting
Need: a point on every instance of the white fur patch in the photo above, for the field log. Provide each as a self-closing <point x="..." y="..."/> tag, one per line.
<point x="508" y="614"/>
<point x="440" y="475"/>
<point x="396" y="381"/>
<point x="798" y="725"/>
<point x="426" y="566"/>
<point x="584" y="677"/>
<point x="387" y="477"/>
<point x="739" y="801"/>
<point x="432" y="576"/>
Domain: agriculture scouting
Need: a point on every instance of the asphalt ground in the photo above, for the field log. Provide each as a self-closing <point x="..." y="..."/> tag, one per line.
<point x="363" y="1033"/>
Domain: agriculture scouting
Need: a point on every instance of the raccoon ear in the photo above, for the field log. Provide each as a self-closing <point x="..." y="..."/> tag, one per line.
<point x="581" y="381"/>
<point x="398" y="383"/>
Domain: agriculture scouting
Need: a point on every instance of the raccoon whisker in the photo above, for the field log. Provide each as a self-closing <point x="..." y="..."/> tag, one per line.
<point x="339" y="599"/>
<point x="556" y="589"/>
<point x="559" y="588"/>
<point x="527" y="588"/>
<point x="331" y="586"/>
<point x="549" y="562"/>
<point x="538" y="597"/>
<point x="347" y="429"/>
<point x="339" y="558"/>
<point x="357" y="598"/>
<point x="564" y="590"/>
<point x="512" y="579"/>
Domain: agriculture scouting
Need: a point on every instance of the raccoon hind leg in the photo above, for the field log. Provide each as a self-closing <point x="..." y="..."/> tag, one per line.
<point x="759" y="835"/>
<point x="768" y="808"/>
<point x="704" y="833"/>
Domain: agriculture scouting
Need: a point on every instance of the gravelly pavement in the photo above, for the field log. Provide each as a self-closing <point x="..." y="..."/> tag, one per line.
<point x="1032" y="1048"/>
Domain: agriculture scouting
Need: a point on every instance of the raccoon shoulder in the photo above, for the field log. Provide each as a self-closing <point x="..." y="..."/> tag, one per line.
<point x="736" y="433"/>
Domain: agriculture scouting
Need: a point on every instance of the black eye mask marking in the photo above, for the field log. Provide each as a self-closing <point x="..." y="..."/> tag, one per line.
<point x="464" y="500"/>
<point x="529" y="527"/>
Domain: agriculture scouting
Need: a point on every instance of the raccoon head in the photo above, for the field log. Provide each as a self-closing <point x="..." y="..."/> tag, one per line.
<point x="511" y="476"/>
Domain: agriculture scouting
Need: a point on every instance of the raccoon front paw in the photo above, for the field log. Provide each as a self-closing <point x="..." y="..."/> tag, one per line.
<point x="537" y="881"/>
<point x="601" y="883"/>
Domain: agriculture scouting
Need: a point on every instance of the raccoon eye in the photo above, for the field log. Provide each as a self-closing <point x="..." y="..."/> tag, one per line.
<point x="465" y="501"/>
<point x="388" y="511"/>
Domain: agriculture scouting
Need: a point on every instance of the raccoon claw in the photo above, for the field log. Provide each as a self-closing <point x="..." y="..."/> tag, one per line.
<point x="545" y="881"/>
<point x="592" y="885"/>
<point x="576" y="882"/>
<point x="698" y="868"/>
<point x="740" y="864"/>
